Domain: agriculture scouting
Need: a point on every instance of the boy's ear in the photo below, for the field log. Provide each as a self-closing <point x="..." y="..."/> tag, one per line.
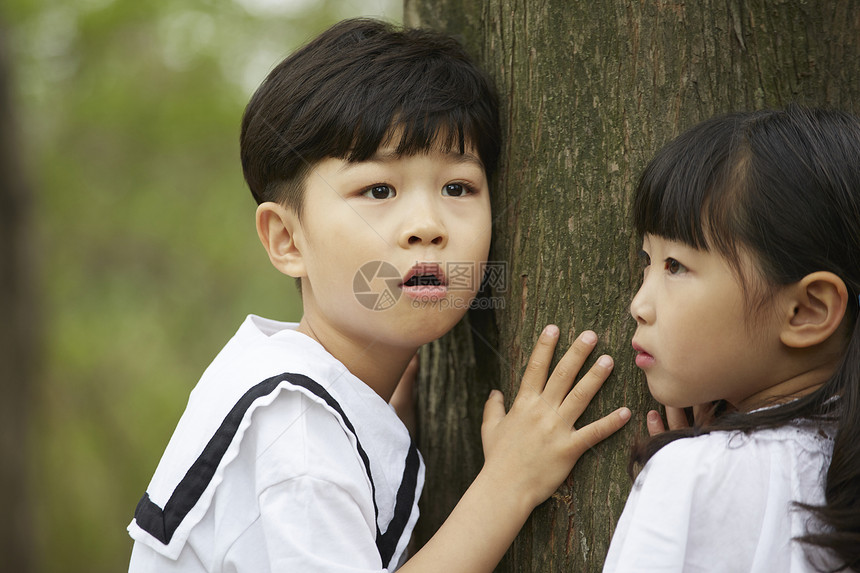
<point x="280" y="232"/>
<point x="818" y="304"/>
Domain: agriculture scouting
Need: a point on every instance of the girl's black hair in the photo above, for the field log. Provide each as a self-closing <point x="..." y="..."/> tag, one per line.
<point x="784" y="187"/>
<point x="361" y="84"/>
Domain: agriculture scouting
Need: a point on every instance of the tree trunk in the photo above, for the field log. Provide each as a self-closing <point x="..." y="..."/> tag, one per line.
<point x="17" y="337"/>
<point x="589" y="91"/>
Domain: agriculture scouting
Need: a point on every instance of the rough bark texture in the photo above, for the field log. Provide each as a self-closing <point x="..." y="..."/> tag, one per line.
<point x="589" y="91"/>
<point x="17" y="338"/>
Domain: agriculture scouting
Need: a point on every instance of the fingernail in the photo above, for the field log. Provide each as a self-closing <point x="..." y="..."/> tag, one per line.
<point x="605" y="361"/>
<point x="624" y="414"/>
<point x="550" y="330"/>
<point x="653" y="416"/>
<point x="588" y="337"/>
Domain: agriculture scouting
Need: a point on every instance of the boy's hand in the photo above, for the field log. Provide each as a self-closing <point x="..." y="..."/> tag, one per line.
<point x="528" y="452"/>
<point x="532" y="448"/>
<point x="403" y="399"/>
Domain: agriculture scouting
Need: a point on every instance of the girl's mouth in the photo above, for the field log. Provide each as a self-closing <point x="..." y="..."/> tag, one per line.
<point x="643" y="359"/>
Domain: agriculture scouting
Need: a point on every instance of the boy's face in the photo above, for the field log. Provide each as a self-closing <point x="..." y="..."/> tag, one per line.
<point x="392" y="249"/>
<point x="696" y="340"/>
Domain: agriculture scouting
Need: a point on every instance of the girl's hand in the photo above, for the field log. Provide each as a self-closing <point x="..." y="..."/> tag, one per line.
<point x="532" y="448"/>
<point x="677" y="418"/>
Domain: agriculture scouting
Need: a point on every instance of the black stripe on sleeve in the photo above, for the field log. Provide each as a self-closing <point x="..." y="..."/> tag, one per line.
<point x="163" y="523"/>
<point x="387" y="542"/>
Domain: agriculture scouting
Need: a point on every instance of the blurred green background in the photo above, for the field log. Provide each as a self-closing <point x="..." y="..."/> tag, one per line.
<point x="146" y="253"/>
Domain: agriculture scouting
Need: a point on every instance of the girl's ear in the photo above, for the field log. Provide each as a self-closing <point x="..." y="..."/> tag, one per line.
<point x="818" y="304"/>
<point x="280" y="232"/>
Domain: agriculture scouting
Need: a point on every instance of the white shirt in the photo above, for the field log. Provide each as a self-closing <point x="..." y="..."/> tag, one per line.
<point x="722" y="502"/>
<point x="282" y="461"/>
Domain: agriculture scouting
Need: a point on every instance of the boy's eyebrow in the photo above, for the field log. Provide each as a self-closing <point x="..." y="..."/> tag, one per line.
<point x="388" y="156"/>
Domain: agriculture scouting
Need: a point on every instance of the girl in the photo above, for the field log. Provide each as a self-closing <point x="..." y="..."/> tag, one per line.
<point x="751" y="248"/>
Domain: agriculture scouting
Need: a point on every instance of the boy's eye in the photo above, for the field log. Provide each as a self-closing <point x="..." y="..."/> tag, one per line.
<point x="455" y="190"/>
<point x="674" y="267"/>
<point x="380" y="192"/>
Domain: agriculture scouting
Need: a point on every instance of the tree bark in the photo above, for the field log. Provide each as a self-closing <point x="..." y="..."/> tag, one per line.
<point x="589" y="91"/>
<point x="17" y="336"/>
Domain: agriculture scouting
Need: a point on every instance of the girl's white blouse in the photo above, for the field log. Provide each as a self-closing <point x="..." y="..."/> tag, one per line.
<point x="724" y="502"/>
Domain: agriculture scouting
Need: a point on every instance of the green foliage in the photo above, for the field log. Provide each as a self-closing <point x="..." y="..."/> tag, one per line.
<point x="129" y="111"/>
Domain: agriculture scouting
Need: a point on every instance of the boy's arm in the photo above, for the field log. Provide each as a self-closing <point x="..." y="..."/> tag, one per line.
<point x="403" y="400"/>
<point x="528" y="452"/>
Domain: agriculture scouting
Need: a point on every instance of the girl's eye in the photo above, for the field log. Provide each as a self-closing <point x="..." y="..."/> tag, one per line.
<point x="380" y="192"/>
<point x="455" y="190"/>
<point x="674" y="267"/>
<point x="644" y="260"/>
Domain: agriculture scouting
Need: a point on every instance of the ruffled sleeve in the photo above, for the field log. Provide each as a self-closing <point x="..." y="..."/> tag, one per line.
<point x="719" y="502"/>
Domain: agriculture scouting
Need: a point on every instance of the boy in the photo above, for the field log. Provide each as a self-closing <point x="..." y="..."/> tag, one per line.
<point x="368" y="152"/>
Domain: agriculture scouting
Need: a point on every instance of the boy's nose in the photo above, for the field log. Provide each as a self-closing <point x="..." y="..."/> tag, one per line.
<point x="425" y="235"/>
<point x="424" y="227"/>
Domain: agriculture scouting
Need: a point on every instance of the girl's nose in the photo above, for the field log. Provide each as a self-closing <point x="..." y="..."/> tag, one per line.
<point x="640" y="307"/>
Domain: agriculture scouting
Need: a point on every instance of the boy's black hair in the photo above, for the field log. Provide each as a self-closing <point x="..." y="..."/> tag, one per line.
<point x="361" y="84"/>
<point x="784" y="187"/>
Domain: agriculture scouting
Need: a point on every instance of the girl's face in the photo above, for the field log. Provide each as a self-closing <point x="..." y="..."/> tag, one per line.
<point x="695" y="339"/>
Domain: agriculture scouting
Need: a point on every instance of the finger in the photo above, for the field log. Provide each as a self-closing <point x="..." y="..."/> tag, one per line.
<point x="494" y="411"/>
<point x="581" y="394"/>
<point x="568" y="367"/>
<point x="676" y="418"/>
<point x="654" y="423"/>
<point x="598" y="430"/>
<point x="537" y="368"/>
<point x="703" y="414"/>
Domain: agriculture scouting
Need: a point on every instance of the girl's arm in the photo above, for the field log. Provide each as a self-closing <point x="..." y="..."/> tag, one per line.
<point x="528" y="452"/>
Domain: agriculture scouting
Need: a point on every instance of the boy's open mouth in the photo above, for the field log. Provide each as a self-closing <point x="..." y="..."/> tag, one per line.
<point x="425" y="281"/>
